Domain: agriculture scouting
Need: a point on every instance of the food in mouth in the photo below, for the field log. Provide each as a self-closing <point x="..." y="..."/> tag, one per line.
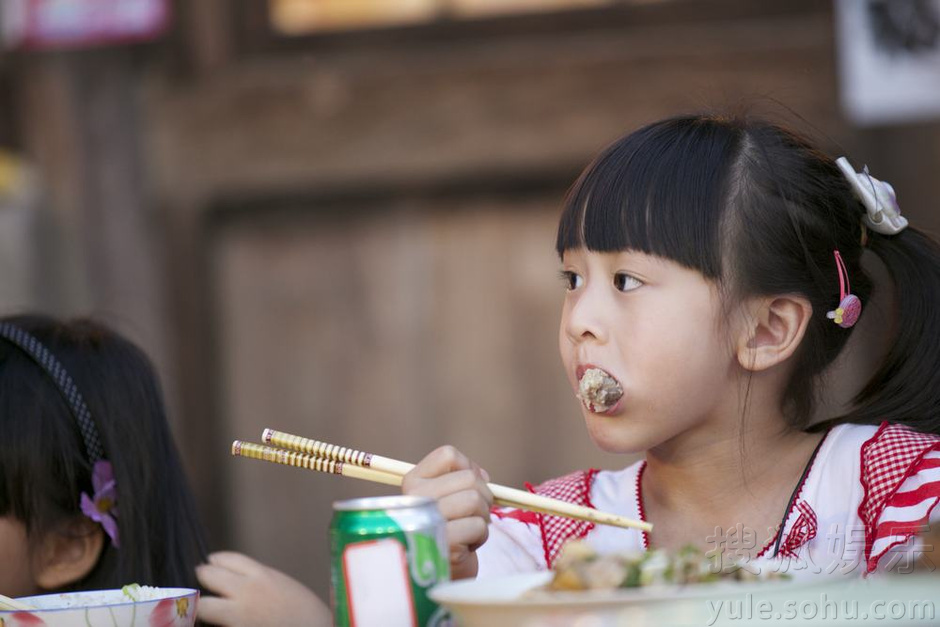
<point x="598" y="390"/>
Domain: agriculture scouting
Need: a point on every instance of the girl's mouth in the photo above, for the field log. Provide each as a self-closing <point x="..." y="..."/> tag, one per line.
<point x="598" y="390"/>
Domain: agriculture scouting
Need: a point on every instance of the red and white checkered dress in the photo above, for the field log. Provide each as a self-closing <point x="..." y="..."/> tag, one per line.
<point x="868" y="492"/>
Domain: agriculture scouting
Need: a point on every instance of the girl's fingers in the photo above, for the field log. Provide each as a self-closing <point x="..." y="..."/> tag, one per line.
<point x="215" y="611"/>
<point x="236" y="562"/>
<point x="464" y="565"/>
<point x="440" y="461"/>
<point x="464" y="537"/>
<point x="459" y="487"/>
<point x="480" y="471"/>
<point x="219" y="579"/>
<point x="466" y="534"/>
<point x="444" y="485"/>
<point x="464" y="504"/>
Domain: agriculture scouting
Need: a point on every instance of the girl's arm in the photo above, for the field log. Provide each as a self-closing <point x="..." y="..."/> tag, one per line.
<point x="252" y="594"/>
<point x="459" y="487"/>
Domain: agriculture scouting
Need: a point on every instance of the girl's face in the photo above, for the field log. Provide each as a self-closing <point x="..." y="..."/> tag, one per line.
<point x="652" y="325"/>
<point x="16" y="576"/>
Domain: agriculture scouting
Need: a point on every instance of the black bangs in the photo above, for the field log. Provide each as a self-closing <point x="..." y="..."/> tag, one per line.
<point x="660" y="190"/>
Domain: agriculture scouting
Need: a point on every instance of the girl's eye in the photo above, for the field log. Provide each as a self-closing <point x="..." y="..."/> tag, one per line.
<point x="571" y="280"/>
<point x="624" y="282"/>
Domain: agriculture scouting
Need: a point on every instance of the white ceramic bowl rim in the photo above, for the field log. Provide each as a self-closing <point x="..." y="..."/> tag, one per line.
<point x="161" y="594"/>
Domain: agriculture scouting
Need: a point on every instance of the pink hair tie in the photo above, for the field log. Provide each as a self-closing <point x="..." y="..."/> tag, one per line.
<point x="850" y="307"/>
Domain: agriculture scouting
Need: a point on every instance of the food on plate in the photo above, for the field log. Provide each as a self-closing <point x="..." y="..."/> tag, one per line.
<point x="580" y="567"/>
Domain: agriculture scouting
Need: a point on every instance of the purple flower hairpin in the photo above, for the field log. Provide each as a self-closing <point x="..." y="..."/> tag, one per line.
<point x="103" y="507"/>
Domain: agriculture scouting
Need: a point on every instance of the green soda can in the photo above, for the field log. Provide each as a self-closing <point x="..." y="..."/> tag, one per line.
<point x="386" y="553"/>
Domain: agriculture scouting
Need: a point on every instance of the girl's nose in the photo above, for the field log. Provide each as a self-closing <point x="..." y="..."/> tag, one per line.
<point x="584" y="320"/>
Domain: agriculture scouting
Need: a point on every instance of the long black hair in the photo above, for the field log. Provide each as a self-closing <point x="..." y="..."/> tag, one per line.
<point x="759" y="210"/>
<point x="44" y="467"/>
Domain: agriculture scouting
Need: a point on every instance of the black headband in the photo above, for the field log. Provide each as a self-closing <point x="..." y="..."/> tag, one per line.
<point x="67" y="388"/>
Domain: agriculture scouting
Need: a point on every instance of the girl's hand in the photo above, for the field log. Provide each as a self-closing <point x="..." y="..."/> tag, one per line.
<point x="459" y="487"/>
<point x="251" y="593"/>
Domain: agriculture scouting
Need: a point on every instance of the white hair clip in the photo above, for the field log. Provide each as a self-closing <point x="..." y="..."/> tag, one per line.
<point x="881" y="204"/>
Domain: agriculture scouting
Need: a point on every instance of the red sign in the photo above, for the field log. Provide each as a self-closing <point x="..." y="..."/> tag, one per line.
<point x="62" y="24"/>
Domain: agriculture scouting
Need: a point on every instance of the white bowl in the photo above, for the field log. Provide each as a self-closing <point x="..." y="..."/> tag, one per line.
<point x="164" y="607"/>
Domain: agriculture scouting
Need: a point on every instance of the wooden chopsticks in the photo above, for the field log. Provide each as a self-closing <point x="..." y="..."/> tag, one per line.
<point x="293" y="450"/>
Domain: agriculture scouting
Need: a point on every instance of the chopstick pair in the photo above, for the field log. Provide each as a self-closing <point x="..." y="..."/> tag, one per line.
<point x="293" y="450"/>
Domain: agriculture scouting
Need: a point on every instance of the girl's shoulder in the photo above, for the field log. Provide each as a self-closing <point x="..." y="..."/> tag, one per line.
<point x="889" y="437"/>
<point x="894" y="473"/>
<point x="900" y="475"/>
<point x="884" y="457"/>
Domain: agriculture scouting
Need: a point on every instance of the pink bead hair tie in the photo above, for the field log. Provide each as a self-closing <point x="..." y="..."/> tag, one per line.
<point x="850" y="307"/>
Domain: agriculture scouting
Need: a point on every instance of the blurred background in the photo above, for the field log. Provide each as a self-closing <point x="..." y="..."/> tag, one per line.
<point x="336" y="217"/>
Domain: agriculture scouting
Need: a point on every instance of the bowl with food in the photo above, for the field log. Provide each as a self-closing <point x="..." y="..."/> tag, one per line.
<point x="131" y="606"/>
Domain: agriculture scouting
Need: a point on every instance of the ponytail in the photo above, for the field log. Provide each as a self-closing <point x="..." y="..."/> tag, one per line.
<point x="906" y="387"/>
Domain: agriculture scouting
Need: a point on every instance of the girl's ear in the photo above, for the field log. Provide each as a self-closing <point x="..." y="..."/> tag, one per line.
<point x="774" y="328"/>
<point x="69" y="554"/>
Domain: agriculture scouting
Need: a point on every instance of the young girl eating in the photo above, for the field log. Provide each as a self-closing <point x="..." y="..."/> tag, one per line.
<point x="713" y="271"/>
<point x="92" y="492"/>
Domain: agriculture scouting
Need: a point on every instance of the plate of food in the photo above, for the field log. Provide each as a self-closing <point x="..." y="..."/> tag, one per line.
<point x="648" y="588"/>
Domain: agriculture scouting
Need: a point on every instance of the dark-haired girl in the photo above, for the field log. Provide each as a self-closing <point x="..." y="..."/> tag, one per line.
<point x="92" y="493"/>
<point x="713" y="270"/>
